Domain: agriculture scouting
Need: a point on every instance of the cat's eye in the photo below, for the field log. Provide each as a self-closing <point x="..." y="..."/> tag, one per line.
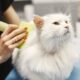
<point x="56" y="23"/>
<point x="66" y="21"/>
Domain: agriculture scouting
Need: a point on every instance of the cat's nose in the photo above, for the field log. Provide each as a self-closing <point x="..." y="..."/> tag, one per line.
<point x="66" y="27"/>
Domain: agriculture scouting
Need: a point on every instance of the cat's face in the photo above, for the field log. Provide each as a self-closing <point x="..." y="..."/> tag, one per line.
<point x="56" y="29"/>
<point x="57" y="25"/>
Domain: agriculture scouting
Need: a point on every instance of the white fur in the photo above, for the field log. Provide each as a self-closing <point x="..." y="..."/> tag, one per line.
<point x="50" y="51"/>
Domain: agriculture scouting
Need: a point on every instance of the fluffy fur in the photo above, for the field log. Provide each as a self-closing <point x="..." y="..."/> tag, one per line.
<point x="50" y="51"/>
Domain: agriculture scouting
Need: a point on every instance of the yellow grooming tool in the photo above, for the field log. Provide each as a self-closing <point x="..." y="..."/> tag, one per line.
<point x="29" y="25"/>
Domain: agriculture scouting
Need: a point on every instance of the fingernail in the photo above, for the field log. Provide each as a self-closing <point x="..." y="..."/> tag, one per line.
<point x="25" y="28"/>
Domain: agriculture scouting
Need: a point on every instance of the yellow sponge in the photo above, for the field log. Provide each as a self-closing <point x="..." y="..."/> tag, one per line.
<point x="3" y="26"/>
<point x="29" y="25"/>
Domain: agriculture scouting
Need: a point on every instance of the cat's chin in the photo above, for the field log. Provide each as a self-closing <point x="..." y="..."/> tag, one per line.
<point x="67" y="36"/>
<point x="53" y="45"/>
<point x="66" y="33"/>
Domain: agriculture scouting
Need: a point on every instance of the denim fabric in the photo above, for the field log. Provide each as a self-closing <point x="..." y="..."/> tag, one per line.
<point x="75" y="75"/>
<point x="13" y="75"/>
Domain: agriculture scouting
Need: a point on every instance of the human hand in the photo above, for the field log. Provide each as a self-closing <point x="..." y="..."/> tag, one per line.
<point x="11" y="38"/>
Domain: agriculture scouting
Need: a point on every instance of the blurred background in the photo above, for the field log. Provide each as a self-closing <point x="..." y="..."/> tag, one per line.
<point x="26" y="9"/>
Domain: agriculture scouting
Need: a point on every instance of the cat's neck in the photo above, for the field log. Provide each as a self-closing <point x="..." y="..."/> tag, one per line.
<point x="51" y="48"/>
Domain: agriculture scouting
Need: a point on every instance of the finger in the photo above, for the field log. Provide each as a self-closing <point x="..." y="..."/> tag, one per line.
<point x="14" y="34"/>
<point x="16" y="44"/>
<point x="16" y="39"/>
<point x="9" y="30"/>
<point x="1" y="41"/>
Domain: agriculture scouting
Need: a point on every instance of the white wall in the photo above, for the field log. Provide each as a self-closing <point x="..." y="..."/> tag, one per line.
<point x="49" y="1"/>
<point x="79" y="11"/>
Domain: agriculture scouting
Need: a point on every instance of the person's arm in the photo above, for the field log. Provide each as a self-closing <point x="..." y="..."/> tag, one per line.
<point x="11" y="37"/>
<point x="11" y="15"/>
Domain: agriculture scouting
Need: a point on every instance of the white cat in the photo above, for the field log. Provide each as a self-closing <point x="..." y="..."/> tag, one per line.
<point x="50" y="51"/>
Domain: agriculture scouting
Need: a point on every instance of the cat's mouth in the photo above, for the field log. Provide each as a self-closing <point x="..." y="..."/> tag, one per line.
<point x="66" y="32"/>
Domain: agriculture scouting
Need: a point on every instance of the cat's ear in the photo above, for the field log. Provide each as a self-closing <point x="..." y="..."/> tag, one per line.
<point x="69" y="16"/>
<point x="67" y="12"/>
<point x="38" y="20"/>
